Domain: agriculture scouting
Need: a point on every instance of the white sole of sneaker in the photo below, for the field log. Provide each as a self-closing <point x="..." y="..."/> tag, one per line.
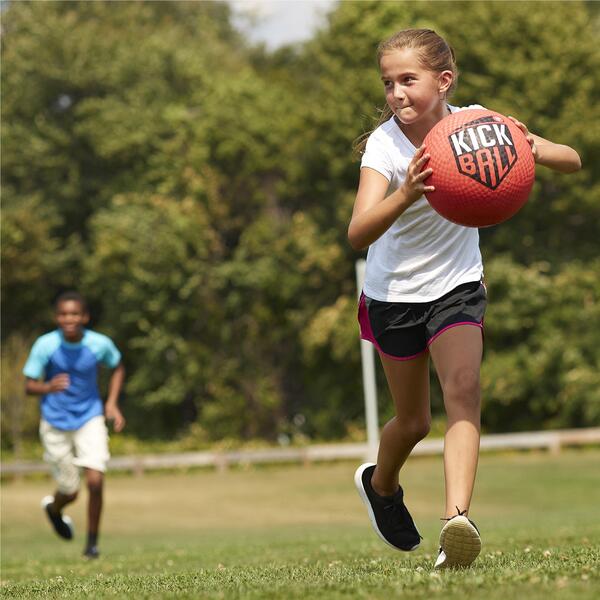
<point x="363" y="496"/>
<point x="460" y="543"/>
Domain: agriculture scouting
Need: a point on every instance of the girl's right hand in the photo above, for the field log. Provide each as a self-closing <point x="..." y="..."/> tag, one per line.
<point x="413" y="185"/>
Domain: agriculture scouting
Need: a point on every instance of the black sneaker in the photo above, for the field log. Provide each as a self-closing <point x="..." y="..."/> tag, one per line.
<point x="91" y="552"/>
<point x="61" y="523"/>
<point x="389" y="516"/>
<point x="460" y="542"/>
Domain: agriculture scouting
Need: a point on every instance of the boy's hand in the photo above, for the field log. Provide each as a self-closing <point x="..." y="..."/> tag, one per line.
<point x="413" y="185"/>
<point x="59" y="383"/>
<point x="528" y="137"/>
<point x="114" y="414"/>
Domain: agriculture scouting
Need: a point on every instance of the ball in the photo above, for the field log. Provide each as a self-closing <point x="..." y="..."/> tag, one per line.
<point x="483" y="167"/>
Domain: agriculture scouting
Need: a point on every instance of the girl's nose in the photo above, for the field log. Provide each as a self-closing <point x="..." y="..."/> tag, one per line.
<point x="398" y="91"/>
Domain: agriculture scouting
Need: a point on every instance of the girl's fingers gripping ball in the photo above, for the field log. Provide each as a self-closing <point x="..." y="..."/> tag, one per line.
<point x="423" y="161"/>
<point x="418" y="161"/>
<point x="527" y="135"/>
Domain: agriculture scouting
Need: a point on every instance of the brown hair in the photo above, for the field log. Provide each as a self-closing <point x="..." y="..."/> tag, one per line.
<point x="434" y="53"/>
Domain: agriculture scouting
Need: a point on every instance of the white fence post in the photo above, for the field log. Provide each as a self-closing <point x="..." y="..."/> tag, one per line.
<point x="368" y="373"/>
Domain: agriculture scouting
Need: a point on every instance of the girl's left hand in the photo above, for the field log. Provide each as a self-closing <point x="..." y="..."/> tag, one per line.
<point x="528" y="137"/>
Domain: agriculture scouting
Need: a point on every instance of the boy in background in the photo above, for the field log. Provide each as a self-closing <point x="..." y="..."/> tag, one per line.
<point x="62" y="367"/>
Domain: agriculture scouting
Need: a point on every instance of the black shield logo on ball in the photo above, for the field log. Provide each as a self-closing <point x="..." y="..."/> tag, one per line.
<point x="484" y="150"/>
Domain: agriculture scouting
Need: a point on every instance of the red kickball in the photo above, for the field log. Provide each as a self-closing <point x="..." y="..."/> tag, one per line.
<point x="483" y="167"/>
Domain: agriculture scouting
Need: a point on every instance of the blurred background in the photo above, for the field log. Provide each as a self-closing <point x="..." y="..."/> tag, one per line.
<point x="188" y="166"/>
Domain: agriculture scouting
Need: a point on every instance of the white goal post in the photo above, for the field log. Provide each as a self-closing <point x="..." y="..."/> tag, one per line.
<point x="368" y="373"/>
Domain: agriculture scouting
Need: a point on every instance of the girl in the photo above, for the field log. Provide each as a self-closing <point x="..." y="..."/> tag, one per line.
<point x="423" y="294"/>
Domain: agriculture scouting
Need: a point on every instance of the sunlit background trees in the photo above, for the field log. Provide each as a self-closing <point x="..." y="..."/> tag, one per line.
<point x="198" y="189"/>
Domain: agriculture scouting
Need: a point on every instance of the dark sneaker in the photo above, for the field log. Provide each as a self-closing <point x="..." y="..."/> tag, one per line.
<point x="91" y="552"/>
<point x="460" y="542"/>
<point x="61" y="523"/>
<point x="389" y="516"/>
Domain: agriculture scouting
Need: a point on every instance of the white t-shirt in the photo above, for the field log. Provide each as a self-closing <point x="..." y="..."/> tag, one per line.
<point x="422" y="256"/>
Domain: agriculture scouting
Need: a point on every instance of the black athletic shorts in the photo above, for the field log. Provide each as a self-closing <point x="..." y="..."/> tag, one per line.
<point x="404" y="330"/>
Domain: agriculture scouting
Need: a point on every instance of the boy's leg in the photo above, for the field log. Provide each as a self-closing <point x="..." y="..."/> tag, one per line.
<point x="58" y="452"/>
<point x="60" y="501"/>
<point x="95" y="485"/>
<point x="408" y="381"/>
<point x="457" y="355"/>
<point x="91" y="444"/>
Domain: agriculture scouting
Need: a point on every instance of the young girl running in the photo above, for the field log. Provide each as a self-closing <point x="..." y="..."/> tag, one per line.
<point x="423" y="293"/>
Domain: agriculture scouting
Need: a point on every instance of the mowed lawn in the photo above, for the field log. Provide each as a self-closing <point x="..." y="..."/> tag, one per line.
<point x="301" y="532"/>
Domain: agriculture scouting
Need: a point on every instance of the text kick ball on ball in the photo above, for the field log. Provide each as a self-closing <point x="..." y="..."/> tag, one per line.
<point x="483" y="167"/>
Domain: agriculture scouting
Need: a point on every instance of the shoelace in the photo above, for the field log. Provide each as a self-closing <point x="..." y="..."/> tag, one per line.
<point x="459" y="513"/>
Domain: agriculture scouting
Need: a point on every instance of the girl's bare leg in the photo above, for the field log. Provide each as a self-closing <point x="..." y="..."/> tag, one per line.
<point x="457" y="355"/>
<point x="409" y="385"/>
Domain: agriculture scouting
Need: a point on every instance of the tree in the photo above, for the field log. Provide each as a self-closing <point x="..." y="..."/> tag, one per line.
<point x="35" y="263"/>
<point x="200" y="190"/>
<point x="139" y="108"/>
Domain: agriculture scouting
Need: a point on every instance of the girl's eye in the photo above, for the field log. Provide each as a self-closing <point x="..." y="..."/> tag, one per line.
<point x="387" y="84"/>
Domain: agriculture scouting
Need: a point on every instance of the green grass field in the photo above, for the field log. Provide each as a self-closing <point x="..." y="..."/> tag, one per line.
<point x="301" y="532"/>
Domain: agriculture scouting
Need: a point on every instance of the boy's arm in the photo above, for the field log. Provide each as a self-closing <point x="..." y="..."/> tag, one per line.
<point x="111" y="409"/>
<point x="56" y="384"/>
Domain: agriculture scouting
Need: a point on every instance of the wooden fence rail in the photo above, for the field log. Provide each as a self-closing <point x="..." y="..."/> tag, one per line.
<point x="548" y="440"/>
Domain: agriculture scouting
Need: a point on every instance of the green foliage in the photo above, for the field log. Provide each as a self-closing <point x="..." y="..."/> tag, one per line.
<point x="35" y="262"/>
<point x="199" y="190"/>
<point x="542" y="361"/>
<point x="111" y="103"/>
<point x="145" y="292"/>
<point x="20" y="417"/>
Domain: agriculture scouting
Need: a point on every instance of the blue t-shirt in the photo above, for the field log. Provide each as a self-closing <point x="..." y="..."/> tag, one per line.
<point x="51" y="354"/>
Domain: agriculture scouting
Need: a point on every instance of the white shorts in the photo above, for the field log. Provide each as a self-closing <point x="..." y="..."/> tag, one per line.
<point x="67" y="451"/>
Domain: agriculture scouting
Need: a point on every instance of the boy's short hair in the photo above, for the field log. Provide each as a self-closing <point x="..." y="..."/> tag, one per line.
<point x="71" y="295"/>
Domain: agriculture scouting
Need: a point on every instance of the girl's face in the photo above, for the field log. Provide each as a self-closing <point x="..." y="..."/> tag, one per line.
<point x="412" y="91"/>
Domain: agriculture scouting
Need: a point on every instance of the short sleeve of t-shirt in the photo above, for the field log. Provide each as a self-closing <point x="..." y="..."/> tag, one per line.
<point x="103" y="348"/>
<point x="376" y="157"/>
<point x="40" y="354"/>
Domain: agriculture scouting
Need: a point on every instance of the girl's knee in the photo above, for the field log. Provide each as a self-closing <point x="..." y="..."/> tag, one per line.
<point x="417" y="428"/>
<point x="463" y="388"/>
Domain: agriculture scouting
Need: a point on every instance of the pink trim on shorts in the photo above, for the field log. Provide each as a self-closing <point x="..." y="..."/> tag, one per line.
<point x="366" y="332"/>
<point x="431" y="339"/>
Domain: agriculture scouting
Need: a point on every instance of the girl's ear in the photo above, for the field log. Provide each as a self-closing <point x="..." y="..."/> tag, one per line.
<point x="445" y="80"/>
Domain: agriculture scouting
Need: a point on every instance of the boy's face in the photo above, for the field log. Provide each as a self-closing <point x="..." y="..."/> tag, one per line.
<point x="71" y="317"/>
